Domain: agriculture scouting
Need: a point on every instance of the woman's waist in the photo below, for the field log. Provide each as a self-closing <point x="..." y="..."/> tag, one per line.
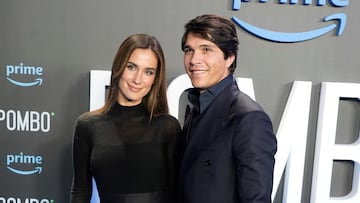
<point x="147" y="197"/>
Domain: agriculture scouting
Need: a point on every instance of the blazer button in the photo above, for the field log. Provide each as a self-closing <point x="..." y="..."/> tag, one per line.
<point x="207" y="163"/>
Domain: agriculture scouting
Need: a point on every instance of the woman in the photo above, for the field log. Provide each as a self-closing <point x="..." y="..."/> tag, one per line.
<point x="128" y="145"/>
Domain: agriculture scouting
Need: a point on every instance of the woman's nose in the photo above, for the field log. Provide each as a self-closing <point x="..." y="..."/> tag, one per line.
<point x="137" y="77"/>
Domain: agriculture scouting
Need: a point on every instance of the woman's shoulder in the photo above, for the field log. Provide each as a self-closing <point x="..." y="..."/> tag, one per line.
<point x="88" y="118"/>
<point x="166" y="119"/>
<point x="167" y="122"/>
<point x="167" y="127"/>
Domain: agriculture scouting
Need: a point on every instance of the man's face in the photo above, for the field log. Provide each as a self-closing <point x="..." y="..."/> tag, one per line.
<point x="204" y="62"/>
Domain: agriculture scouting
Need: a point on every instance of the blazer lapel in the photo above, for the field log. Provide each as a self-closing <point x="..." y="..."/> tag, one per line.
<point x="211" y="123"/>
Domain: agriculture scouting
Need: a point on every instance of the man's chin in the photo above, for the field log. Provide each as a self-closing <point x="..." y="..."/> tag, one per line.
<point x="198" y="86"/>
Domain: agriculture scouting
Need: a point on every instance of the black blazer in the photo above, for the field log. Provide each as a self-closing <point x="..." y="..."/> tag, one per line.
<point x="230" y="156"/>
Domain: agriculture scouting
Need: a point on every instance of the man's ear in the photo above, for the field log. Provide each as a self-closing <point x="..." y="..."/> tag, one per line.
<point x="230" y="60"/>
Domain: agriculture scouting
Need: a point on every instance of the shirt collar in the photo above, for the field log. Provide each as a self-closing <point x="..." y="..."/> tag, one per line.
<point x="201" y="101"/>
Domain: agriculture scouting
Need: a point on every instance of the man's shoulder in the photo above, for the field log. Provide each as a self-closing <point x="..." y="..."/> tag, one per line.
<point x="238" y="100"/>
<point x="247" y="103"/>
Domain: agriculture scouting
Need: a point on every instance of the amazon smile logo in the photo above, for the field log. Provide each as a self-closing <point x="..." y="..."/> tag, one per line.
<point x="339" y="23"/>
<point x="24" y="72"/>
<point x="33" y="164"/>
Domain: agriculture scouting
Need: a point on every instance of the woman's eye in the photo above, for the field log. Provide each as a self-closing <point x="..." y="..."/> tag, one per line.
<point x="131" y="67"/>
<point x="149" y="72"/>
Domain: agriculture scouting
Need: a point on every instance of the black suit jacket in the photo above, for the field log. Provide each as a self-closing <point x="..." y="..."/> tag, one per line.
<point x="229" y="157"/>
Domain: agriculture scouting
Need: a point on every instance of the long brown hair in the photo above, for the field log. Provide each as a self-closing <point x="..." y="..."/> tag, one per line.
<point x="155" y="101"/>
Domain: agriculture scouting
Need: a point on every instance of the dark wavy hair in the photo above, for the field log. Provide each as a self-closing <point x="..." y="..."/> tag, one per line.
<point x="219" y="30"/>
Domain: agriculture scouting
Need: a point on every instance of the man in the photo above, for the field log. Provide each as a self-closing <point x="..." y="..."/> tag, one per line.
<point x="227" y="145"/>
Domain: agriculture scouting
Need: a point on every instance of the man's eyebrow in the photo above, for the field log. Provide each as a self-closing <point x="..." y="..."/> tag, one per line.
<point x="200" y="46"/>
<point x="207" y="45"/>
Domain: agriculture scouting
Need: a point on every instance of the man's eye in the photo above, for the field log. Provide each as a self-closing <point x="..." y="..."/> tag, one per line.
<point x="186" y="51"/>
<point x="206" y="49"/>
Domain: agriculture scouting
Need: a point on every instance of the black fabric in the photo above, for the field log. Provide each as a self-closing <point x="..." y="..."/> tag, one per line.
<point x="229" y="154"/>
<point x="154" y="197"/>
<point x="127" y="154"/>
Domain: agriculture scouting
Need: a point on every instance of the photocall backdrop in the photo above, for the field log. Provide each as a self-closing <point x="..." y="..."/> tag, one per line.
<point x="49" y="48"/>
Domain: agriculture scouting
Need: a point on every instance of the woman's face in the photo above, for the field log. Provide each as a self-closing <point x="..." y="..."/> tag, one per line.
<point x="138" y="77"/>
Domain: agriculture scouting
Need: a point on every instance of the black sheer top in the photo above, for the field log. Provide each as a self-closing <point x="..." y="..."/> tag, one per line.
<point x="131" y="158"/>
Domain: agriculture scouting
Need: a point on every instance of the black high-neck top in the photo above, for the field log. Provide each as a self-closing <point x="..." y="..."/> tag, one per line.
<point x="130" y="157"/>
